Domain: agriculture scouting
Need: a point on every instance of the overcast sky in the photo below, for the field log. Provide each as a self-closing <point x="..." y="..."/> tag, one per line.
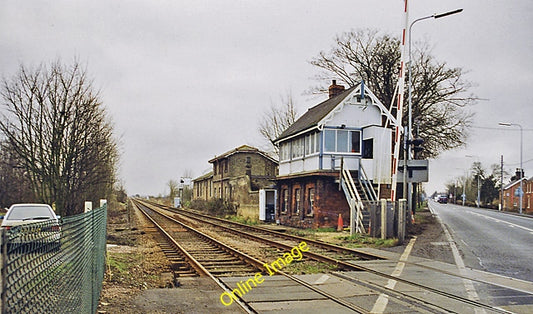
<point x="186" y="80"/>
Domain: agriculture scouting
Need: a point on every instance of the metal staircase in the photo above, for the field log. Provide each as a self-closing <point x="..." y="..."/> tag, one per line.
<point x="357" y="193"/>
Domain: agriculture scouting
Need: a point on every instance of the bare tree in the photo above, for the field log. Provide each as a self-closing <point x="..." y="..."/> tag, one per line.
<point x="187" y="173"/>
<point x="15" y="186"/>
<point x="439" y="94"/>
<point x="59" y="130"/>
<point x="173" y="189"/>
<point x="276" y="120"/>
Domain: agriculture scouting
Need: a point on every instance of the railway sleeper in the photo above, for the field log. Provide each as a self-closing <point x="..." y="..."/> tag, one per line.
<point x="187" y="274"/>
<point x="209" y="263"/>
<point x="219" y="255"/>
<point x="200" y="251"/>
<point x="179" y="264"/>
<point x="218" y="261"/>
<point x="231" y="270"/>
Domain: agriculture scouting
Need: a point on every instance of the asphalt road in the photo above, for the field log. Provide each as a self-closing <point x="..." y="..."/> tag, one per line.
<point x="490" y="240"/>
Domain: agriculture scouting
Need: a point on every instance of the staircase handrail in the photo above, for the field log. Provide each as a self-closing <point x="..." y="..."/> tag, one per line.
<point x="365" y="183"/>
<point x="353" y="197"/>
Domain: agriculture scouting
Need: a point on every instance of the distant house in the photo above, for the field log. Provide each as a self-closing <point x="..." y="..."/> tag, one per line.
<point x="511" y="198"/>
<point x="203" y="187"/>
<point x="241" y="176"/>
<point x="351" y="127"/>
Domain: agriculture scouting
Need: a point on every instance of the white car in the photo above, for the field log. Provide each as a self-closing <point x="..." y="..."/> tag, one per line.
<point x="32" y="224"/>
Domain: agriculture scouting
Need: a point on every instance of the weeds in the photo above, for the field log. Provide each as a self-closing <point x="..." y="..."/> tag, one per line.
<point x="309" y="267"/>
<point x="243" y="220"/>
<point x="361" y="240"/>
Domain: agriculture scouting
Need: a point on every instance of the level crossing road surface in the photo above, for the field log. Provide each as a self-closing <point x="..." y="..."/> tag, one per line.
<point x="489" y="240"/>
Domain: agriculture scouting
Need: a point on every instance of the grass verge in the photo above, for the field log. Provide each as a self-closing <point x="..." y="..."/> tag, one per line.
<point x="361" y="240"/>
<point x="243" y="220"/>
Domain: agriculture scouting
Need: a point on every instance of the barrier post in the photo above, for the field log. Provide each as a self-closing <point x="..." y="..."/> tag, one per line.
<point x="383" y="218"/>
<point x="88" y="206"/>
<point x="401" y="220"/>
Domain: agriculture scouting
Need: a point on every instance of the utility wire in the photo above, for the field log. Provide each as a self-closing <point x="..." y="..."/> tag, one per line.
<point x="517" y="164"/>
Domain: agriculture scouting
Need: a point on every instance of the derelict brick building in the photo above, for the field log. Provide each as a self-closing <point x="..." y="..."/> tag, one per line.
<point x="239" y="176"/>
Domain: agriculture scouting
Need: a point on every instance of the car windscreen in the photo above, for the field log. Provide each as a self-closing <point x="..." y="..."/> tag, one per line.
<point x="23" y="212"/>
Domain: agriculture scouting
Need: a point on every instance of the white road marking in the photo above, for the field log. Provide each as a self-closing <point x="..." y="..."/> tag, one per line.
<point x="469" y="286"/>
<point x="512" y="225"/>
<point x="381" y="303"/>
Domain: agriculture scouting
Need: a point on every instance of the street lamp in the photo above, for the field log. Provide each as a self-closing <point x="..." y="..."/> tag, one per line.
<point x="521" y="169"/>
<point x="410" y="117"/>
<point x="436" y="16"/>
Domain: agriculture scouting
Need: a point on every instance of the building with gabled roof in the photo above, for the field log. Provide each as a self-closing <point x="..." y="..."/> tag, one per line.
<point x="238" y="176"/>
<point x="349" y="130"/>
<point x="511" y="197"/>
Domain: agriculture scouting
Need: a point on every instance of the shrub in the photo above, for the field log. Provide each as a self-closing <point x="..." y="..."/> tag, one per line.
<point x="217" y="207"/>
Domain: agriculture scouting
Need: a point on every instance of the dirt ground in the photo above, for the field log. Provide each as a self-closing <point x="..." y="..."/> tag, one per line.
<point x="134" y="263"/>
<point x="430" y="239"/>
<point x="138" y="277"/>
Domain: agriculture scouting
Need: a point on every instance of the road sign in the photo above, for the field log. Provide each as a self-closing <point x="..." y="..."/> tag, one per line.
<point x="417" y="170"/>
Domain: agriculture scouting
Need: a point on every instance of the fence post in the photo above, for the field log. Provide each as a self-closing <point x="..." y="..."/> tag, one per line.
<point x="401" y="220"/>
<point x="383" y="218"/>
<point x="353" y="226"/>
<point x="88" y="206"/>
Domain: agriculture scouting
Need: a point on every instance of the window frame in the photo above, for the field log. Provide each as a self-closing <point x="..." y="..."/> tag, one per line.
<point x="310" y="202"/>
<point x="284" y="201"/>
<point x="298" y="148"/>
<point x="331" y="136"/>
<point x="297" y="201"/>
<point x="368" y="148"/>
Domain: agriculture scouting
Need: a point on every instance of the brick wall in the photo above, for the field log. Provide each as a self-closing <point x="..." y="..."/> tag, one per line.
<point x="328" y="202"/>
<point x="512" y="202"/>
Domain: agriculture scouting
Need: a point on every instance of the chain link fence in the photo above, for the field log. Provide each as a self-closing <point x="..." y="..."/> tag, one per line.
<point x="54" y="268"/>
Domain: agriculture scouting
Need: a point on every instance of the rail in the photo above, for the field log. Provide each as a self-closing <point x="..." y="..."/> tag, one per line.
<point x="259" y="264"/>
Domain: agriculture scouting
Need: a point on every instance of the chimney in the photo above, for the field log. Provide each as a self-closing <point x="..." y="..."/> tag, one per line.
<point x="335" y="89"/>
<point x="519" y="173"/>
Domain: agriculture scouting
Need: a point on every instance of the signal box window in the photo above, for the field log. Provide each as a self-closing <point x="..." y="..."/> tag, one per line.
<point x="368" y="148"/>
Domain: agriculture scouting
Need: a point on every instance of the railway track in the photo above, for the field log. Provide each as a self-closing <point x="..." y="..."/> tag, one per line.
<point x="327" y="254"/>
<point x="257" y="233"/>
<point x="190" y="253"/>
